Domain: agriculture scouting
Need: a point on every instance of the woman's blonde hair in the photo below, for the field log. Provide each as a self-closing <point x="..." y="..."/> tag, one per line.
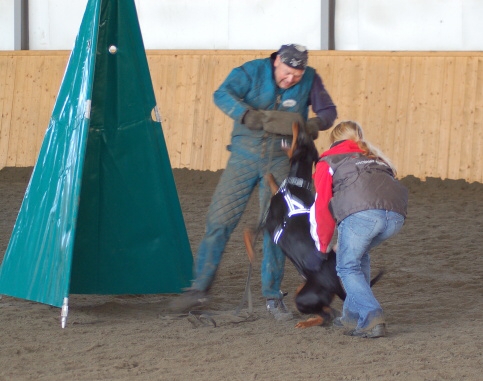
<point x="350" y="130"/>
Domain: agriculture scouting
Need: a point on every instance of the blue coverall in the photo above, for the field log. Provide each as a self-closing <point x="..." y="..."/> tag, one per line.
<point x="254" y="153"/>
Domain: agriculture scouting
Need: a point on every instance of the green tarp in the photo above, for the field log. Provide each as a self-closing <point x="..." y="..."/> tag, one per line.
<point x="101" y="214"/>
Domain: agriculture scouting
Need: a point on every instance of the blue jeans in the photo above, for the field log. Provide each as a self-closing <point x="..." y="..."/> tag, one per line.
<point x="249" y="161"/>
<point x="357" y="235"/>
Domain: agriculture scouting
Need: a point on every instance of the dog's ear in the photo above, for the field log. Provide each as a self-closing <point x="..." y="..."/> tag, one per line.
<point x="295" y="134"/>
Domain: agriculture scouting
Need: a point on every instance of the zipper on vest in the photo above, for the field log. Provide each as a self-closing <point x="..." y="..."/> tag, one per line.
<point x="278" y="101"/>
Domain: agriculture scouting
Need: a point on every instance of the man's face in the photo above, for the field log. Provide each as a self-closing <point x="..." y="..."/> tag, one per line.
<point x="286" y="76"/>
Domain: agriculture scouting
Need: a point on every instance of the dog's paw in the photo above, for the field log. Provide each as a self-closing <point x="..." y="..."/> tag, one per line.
<point x="310" y="322"/>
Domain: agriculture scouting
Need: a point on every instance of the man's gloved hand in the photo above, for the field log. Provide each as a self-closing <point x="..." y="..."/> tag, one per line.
<point x="253" y="119"/>
<point x="280" y="122"/>
<point x="313" y="126"/>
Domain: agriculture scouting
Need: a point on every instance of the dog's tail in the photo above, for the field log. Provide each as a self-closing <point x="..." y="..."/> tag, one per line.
<point x="377" y="278"/>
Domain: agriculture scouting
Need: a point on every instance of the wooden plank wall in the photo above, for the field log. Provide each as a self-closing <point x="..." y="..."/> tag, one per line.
<point x="423" y="109"/>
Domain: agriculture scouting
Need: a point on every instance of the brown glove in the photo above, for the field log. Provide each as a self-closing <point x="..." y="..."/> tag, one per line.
<point x="313" y="126"/>
<point x="280" y="122"/>
<point x="253" y="119"/>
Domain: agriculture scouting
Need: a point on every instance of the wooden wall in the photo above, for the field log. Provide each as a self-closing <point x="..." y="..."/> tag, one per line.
<point x="423" y="109"/>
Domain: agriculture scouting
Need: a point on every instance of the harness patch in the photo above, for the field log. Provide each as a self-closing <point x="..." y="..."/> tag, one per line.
<point x="294" y="204"/>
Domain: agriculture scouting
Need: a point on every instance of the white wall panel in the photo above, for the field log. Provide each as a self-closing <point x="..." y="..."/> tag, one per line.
<point x="7" y="25"/>
<point x="346" y="28"/>
<point x="408" y="25"/>
<point x="184" y="24"/>
<point x="229" y="24"/>
<point x="189" y="24"/>
<point x="270" y="23"/>
<point x="54" y="24"/>
<point x="266" y="24"/>
<point x="472" y="19"/>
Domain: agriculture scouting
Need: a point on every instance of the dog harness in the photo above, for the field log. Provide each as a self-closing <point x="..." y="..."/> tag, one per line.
<point x="294" y="204"/>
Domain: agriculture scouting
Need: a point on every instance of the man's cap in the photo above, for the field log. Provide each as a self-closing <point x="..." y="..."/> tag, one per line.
<point x="294" y="55"/>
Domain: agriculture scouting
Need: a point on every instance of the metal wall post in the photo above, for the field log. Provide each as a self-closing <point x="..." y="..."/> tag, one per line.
<point x="327" y="24"/>
<point x="21" y="25"/>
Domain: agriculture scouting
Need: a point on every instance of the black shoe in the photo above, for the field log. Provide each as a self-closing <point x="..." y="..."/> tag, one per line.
<point x="189" y="299"/>
<point x="337" y="323"/>
<point x="278" y="309"/>
<point x="378" y="330"/>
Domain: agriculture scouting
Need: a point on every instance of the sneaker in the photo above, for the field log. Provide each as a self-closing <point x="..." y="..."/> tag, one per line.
<point x="337" y="323"/>
<point x="278" y="309"/>
<point x="189" y="299"/>
<point x="378" y="330"/>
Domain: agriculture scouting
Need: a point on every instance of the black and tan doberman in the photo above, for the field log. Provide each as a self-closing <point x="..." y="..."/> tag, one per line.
<point x="288" y="223"/>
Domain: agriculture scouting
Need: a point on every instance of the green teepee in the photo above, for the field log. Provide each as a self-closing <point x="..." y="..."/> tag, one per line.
<point x="101" y="214"/>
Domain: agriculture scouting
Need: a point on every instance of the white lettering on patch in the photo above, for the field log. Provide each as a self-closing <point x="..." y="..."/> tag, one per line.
<point x="362" y="162"/>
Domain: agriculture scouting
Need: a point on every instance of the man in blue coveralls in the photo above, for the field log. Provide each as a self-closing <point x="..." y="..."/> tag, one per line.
<point x="263" y="97"/>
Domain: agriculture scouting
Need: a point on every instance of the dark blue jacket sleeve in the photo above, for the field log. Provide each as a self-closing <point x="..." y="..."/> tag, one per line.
<point x="322" y="104"/>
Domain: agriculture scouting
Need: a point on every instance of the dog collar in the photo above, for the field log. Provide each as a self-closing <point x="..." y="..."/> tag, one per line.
<point x="297" y="181"/>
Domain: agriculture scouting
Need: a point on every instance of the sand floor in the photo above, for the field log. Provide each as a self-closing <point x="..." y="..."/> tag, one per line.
<point x="431" y="294"/>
